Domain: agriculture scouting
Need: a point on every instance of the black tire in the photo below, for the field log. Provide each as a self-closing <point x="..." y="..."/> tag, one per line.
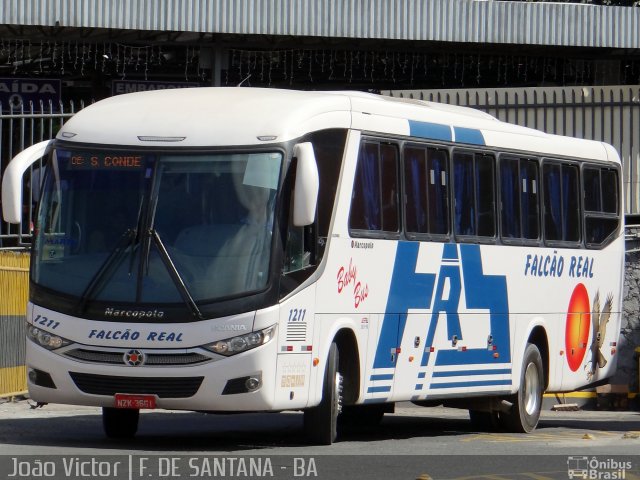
<point x="484" y="421"/>
<point x="527" y="403"/>
<point x="321" y="422"/>
<point x="120" y="422"/>
<point x="363" y="415"/>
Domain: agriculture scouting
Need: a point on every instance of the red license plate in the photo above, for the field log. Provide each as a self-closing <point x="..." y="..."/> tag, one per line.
<point x="124" y="400"/>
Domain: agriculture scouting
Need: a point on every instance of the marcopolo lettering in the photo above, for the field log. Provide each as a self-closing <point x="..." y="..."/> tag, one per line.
<point x="362" y="245"/>
<point x="112" y="312"/>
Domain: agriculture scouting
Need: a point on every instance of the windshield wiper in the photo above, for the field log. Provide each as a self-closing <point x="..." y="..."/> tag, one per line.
<point x="107" y="269"/>
<point x="175" y="275"/>
<point x="135" y="239"/>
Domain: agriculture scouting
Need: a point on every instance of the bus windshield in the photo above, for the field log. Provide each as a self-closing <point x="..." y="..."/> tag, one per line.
<point x="122" y="226"/>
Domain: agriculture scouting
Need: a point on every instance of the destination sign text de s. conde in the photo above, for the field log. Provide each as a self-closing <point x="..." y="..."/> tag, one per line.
<point x="102" y="161"/>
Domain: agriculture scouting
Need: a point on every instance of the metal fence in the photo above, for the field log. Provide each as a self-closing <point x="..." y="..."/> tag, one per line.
<point x="610" y="114"/>
<point x="19" y="129"/>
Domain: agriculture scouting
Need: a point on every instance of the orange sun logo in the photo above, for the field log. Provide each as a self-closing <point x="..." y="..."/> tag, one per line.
<point x="578" y="327"/>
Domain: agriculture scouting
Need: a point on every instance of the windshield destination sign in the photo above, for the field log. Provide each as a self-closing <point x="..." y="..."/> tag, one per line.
<point x="119" y="162"/>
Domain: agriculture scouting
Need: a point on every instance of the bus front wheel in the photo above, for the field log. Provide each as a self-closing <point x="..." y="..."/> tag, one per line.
<point x="525" y="412"/>
<point x="120" y="422"/>
<point x="321" y="422"/>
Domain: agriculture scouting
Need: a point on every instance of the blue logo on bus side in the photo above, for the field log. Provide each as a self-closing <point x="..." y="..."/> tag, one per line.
<point x="412" y="290"/>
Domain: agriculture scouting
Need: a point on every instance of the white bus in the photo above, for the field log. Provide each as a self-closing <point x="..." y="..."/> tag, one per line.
<point x="238" y="249"/>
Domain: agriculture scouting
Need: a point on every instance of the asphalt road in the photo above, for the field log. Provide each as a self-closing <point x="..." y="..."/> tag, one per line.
<point x="414" y="443"/>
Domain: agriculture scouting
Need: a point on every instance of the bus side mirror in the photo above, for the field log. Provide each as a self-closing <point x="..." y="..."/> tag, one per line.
<point x="12" y="180"/>
<point x="305" y="198"/>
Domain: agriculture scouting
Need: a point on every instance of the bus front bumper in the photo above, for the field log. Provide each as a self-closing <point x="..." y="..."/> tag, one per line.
<point x="242" y="382"/>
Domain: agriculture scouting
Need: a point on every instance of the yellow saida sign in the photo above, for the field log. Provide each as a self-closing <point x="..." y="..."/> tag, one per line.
<point x="14" y="287"/>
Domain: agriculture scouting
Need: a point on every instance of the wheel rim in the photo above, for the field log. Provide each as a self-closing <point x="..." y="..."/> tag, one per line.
<point x="337" y="393"/>
<point x="531" y="389"/>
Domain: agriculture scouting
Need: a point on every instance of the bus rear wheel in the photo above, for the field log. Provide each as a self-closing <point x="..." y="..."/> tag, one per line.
<point x="120" y="422"/>
<point x="527" y="403"/>
<point x="321" y="422"/>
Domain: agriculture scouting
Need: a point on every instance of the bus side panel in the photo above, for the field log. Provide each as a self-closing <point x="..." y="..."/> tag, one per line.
<point x="470" y="349"/>
<point x="352" y="293"/>
<point x="295" y="350"/>
<point x="593" y="318"/>
<point x="556" y="289"/>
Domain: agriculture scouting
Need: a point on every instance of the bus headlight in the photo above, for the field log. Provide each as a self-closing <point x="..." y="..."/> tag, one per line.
<point x="241" y="343"/>
<point x="45" y="339"/>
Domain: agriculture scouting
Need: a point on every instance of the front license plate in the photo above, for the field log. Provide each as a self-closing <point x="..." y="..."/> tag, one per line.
<point x="124" y="400"/>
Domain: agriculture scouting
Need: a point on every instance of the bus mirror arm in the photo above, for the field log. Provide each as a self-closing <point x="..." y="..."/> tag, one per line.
<point x="12" y="180"/>
<point x="307" y="184"/>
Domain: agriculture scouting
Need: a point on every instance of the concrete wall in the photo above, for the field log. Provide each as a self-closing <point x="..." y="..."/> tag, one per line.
<point x="630" y="329"/>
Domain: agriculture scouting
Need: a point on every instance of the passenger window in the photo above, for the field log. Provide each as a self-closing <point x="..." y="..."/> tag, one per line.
<point x="561" y="203"/>
<point x="473" y="186"/>
<point x="520" y="211"/>
<point x="374" y="203"/>
<point x="592" y="193"/>
<point x="529" y="199"/>
<point x="510" y="198"/>
<point x="600" y="204"/>
<point x="609" y="191"/>
<point x="427" y="190"/>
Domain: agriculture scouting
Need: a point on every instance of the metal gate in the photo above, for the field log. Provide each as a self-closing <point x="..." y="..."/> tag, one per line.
<point x="19" y="129"/>
<point x="610" y="114"/>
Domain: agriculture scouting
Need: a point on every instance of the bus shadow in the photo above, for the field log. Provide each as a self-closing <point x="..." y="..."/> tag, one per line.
<point x="593" y="422"/>
<point x="210" y="433"/>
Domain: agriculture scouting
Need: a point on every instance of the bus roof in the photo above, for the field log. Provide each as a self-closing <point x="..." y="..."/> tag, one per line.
<point x="233" y="116"/>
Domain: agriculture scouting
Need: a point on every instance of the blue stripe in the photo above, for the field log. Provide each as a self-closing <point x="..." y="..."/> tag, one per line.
<point x="450" y="252"/>
<point x="472" y="372"/>
<point x="470" y="384"/>
<point x="422" y="374"/>
<point x="469" y="135"/>
<point x="379" y="389"/>
<point x="386" y="376"/>
<point x="419" y="386"/>
<point x="471" y="356"/>
<point x="433" y="131"/>
<point x="408" y="290"/>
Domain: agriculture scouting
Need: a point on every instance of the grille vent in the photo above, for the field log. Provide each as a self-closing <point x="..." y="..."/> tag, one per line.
<point x="297" y="332"/>
<point x="163" y="387"/>
<point x="116" y="357"/>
